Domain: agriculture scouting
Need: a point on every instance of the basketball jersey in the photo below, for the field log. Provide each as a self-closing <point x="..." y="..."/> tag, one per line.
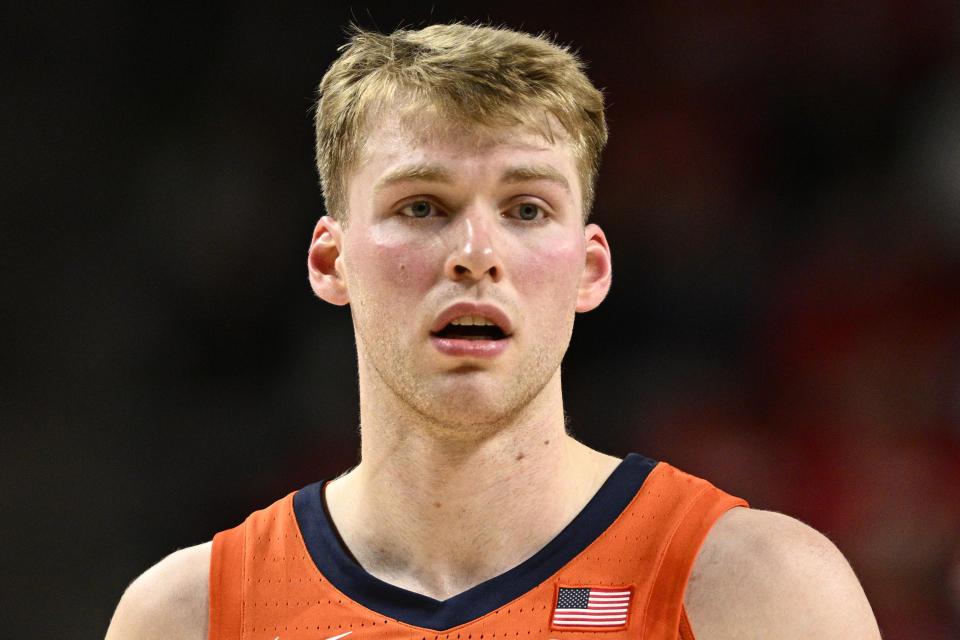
<point x="618" y="570"/>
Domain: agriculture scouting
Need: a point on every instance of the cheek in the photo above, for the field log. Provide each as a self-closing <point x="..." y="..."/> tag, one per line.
<point x="393" y="260"/>
<point x="551" y="267"/>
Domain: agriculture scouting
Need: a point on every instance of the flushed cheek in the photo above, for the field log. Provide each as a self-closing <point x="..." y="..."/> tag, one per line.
<point x="396" y="261"/>
<point x="546" y="268"/>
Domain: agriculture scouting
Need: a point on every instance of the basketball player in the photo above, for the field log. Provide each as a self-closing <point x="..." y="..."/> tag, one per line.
<point x="458" y="166"/>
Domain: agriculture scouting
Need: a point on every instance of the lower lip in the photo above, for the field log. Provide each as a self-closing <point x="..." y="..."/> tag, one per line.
<point x="459" y="348"/>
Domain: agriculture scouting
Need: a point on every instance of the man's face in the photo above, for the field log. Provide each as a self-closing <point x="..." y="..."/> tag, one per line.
<point x="463" y="259"/>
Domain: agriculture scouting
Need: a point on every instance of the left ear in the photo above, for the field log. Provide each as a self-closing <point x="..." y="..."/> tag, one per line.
<point x="597" y="271"/>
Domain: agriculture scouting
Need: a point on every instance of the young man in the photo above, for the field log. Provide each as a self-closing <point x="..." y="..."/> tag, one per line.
<point x="458" y="165"/>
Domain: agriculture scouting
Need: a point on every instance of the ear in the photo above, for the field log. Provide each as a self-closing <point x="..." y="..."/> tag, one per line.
<point x="597" y="270"/>
<point x="323" y="260"/>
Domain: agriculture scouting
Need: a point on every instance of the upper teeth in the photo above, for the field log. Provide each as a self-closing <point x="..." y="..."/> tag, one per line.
<point x="467" y="321"/>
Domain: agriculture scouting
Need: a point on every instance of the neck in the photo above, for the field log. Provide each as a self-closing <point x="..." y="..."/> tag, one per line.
<point x="417" y="511"/>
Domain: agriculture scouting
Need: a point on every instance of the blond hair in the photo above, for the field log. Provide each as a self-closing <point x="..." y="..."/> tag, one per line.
<point x="480" y="76"/>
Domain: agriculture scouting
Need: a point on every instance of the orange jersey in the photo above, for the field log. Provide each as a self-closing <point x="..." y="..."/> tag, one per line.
<point x="618" y="570"/>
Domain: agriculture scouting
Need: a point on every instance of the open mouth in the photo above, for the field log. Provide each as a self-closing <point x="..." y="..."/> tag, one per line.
<point x="471" y="328"/>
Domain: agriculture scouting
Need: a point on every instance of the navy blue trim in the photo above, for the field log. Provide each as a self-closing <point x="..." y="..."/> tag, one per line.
<point x="343" y="572"/>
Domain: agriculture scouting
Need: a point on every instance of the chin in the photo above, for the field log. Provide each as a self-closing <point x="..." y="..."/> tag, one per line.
<point x="467" y="413"/>
<point x="475" y="414"/>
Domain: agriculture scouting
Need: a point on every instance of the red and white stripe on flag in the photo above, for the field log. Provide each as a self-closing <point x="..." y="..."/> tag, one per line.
<point x="597" y="608"/>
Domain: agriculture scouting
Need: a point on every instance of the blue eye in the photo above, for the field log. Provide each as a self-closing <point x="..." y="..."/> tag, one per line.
<point x="418" y="209"/>
<point x="528" y="211"/>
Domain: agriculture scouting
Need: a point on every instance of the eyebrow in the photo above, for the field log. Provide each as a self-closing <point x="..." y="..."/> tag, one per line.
<point x="416" y="172"/>
<point x="536" y="172"/>
<point x="434" y="173"/>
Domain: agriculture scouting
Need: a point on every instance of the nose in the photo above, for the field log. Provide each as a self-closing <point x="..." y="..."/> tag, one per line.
<point x="475" y="254"/>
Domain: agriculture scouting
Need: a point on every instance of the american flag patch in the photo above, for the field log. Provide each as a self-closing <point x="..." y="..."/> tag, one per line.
<point x="591" y="607"/>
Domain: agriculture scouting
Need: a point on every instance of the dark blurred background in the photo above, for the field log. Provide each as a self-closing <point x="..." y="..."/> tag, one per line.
<point x="782" y="196"/>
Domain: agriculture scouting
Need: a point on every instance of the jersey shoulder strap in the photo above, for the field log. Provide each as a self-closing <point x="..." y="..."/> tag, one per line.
<point x="234" y="555"/>
<point x="658" y="537"/>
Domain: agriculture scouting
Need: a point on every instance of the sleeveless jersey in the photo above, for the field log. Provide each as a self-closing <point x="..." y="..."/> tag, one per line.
<point x="618" y="570"/>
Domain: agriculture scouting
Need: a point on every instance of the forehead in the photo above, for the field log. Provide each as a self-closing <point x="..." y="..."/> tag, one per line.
<point x="409" y="137"/>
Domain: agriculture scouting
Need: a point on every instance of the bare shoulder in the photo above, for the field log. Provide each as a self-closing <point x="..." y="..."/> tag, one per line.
<point x="168" y="601"/>
<point x="762" y="574"/>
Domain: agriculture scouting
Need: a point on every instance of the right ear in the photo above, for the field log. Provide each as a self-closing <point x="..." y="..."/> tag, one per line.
<point x="322" y="260"/>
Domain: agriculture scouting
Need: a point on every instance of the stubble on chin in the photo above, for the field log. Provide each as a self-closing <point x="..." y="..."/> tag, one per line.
<point x="464" y="405"/>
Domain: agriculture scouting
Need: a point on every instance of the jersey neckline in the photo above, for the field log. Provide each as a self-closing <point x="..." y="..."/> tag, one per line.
<point x="339" y="568"/>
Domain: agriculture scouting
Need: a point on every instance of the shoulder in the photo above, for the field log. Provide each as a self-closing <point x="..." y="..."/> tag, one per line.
<point x="168" y="601"/>
<point x="761" y="574"/>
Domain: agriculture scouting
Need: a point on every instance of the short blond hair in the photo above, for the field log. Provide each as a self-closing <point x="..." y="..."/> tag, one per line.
<point x="480" y="76"/>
